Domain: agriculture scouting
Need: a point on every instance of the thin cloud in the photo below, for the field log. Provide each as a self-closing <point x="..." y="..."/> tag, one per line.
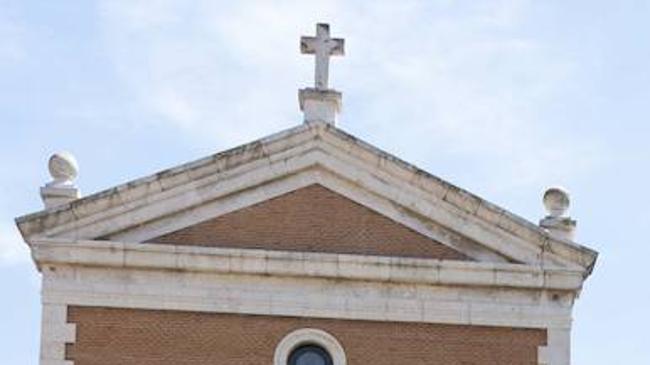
<point x="444" y="77"/>
<point x="12" y="47"/>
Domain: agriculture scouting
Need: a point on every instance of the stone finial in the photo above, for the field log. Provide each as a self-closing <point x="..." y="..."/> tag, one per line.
<point x="63" y="169"/>
<point x="556" y="201"/>
<point x="321" y="103"/>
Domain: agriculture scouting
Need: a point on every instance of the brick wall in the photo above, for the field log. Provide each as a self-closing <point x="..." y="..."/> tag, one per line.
<point x="146" y="337"/>
<point x="312" y="219"/>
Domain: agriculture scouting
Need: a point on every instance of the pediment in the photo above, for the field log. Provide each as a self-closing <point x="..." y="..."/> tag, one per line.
<point x="226" y="184"/>
<point x="311" y="219"/>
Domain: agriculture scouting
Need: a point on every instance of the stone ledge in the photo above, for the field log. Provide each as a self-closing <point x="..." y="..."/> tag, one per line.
<point x="315" y="265"/>
<point x="142" y="288"/>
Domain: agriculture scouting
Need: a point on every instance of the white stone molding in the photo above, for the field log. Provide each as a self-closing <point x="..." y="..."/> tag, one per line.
<point x="558" y="348"/>
<point x="306" y="297"/>
<point x="301" y="264"/>
<point x="237" y="193"/>
<point x="55" y="333"/>
<point x="319" y="147"/>
<point x="304" y="284"/>
<point x="309" y="336"/>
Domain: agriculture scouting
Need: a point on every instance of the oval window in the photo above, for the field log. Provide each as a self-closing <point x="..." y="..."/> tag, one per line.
<point x="310" y="355"/>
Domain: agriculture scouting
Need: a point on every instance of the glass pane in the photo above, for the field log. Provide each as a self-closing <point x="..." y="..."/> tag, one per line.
<point x="310" y="358"/>
<point x="310" y="355"/>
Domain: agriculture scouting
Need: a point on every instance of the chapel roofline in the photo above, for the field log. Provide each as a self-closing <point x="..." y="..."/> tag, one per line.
<point x="35" y="223"/>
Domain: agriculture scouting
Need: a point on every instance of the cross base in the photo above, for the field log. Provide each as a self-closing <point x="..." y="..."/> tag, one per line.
<point x="320" y="105"/>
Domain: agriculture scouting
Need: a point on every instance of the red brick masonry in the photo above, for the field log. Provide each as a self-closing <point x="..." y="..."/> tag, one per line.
<point x="147" y="337"/>
<point x="312" y="219"/>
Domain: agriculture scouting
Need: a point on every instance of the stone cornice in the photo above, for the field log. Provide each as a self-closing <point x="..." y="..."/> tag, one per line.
<point x="160" y="195"/>
<point x="301" y="264"/>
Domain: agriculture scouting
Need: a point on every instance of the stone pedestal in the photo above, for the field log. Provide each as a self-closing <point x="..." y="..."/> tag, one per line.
<point x="320" y="105"/>
<point x="561" y="227"/>
<point x="53" y="195"/>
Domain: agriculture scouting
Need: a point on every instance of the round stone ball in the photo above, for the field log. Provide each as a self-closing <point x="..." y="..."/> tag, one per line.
<point x="63" y="167"/>
<point x="556" y="201"/>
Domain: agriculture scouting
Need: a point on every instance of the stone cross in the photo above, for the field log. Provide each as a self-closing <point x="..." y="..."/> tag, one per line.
<point x="323" y="47"/>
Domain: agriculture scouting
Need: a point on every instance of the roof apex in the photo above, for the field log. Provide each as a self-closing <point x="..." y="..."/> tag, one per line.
<point x="81" y="211"/>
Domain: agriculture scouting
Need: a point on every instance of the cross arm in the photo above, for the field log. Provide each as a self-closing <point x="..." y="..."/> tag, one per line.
<point x="335" y="46"/>
<point x="308" y="45"/>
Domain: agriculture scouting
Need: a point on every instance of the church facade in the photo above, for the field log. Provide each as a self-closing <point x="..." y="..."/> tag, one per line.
<point x="307" y="247"/>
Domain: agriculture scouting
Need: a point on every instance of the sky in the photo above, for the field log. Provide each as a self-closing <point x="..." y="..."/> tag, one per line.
<point x="502" y="98"/>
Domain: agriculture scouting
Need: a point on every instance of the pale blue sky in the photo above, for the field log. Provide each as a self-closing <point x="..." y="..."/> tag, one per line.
<point x="502" y="98"/>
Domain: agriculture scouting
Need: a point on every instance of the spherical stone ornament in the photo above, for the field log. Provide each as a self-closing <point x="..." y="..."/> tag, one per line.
<point x="556" y="201"/>
<point x="63" y="167"/>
